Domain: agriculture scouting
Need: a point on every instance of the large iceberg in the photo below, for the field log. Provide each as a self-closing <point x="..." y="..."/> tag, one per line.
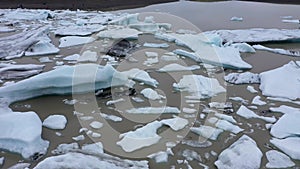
<point x="65" y="80"/>
<point x="282" y="82"/>
<point x="21" y="133"/>
<point x="243" y="153"/>
<point x="257" y="35"/>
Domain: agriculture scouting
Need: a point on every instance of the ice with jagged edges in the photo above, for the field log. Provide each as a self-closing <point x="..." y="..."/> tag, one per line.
<point x="69" y="41"/>
<point x="277" y="159"/>
<point x="278" y="50"/>
<point x="21" y="133"/>
<point x="147" y="135"/>
<point x="141" y="76"/>
<point x="287" y="125"/>
<point x="282" y="82"/>
<point x="151" y="94"/>
<point x="243" y="153"/>
<point x="248" y="114"/>
<point x="12" y="71"/>
<point x="55" y="122"/>
<point x="242" y="78"/>
<point x="174" y="67"/>
<point x="289" y="146"/>
<point x="119" y="33"/>
<point x="65" y="80"/>
<point x="199" y="87"/>
<point x="207" y="49"/>
<point x="43" y="47"/>
<point x="257" y="35"/>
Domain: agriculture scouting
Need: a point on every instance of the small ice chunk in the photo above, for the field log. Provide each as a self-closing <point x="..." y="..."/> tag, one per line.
<point x="150" y="61"/>
<point x="45" y="60"/>
<point x="111" y="102"/>
<point x="175" y="123"/>
<point x="59" y="63"/>
<point x="207" y="132"/>
<point x="88" y="56"/>
<point x="189" y="110"/>
<point x="153" y="110"/>
<point x="151" y="54"/>
<point x="289" y="146"/>
<point x="68" y="41"/>
<point x="111" y="117"/>
<point x="235" y="18"/>
<point x="73" y="57"/>
<point x="278" y="160"/>
<point x="197" y="144"/>
<point x="141" y="75"/>
<point x="95" y="135"/>
<point x="291" y="21"/>
<point x="78" y="138"/>
<point x="246" y="113"/>
<point x="243" y="153"/>
<point x="41" y="48"/>
<point x="256" y="101"/>
<point x="242" y="78"/>
<point x="283" y="100"/>
<point x="243" y="47"/>
<point x="94" y="148"/>
<point x="151" y="94"/>
<point x="226" y="117"/>
<point x="191" y="155"/>
<point x="160" y="157"/>
<point x="55" y="122"/>
<point x="287" y="125"/>
<point x="156" y="45"/>
<point x="239" y="99"/>
<point x="174" y="67"/>
<point x="278" y="51"/>
<point x="167" y="57"/>
<point x="64" y="148"/>
<point x="251" y="89"/>
<point x="96" y="124"/>
<point x="137" y="99"/>
<point x="282" y="82"/>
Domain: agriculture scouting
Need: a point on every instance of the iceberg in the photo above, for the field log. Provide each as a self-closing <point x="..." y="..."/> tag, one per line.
<point x="243" y="153"/>
<point x="278" y="51"/>
<point x="289" y="146"/>
<point x="174" y="67"/>
<point x="21" y="133"/>
<point x="257" y="35"/>
<point x="278" y="160"/>
<point x="69" y="41"/>
<point x="235" y="18"/>
<point x="287" y="125"/>
<point x="11" y="71"/>
<point x="246" y="113"/>
<point x="242" y="78"/>
<point x="65" y="80"/>
<point x="275" y="82"/>
<point x="55" y="122"/>
<point x="199" y="86"/>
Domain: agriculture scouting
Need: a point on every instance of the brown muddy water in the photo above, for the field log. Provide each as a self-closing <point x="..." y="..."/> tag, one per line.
<point x="205" y="16"/>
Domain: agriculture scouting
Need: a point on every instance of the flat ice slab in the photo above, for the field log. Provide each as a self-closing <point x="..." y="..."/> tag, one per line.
<point x="278" y="160"/>
<point x="289" y="146"/>
<point x="248" y="114"/>
<point x="174" y="67"/>
<point x="277" y="50"/>
<point x="21" y="133"/>
<point x="55" y="122"/>
<point x="243" y="153"/>
<point x="242" y="78"/>
<point x="69" y="41"/>
<point x="257" y="35"/>
<point x="282" y="82"/>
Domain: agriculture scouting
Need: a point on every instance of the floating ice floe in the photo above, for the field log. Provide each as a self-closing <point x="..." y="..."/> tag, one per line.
<point x="21" y="133"/>
<point x="283" y="100"/>
<point x="291" y="21"/>
<point x="242" y="78"/>
<point x="243" y="47"/>
<point x="277" y="50"/>
<point x="156" y="45"/>
<point x="239" y="99"/>
<point x="174" y="67"/>
<point x="287" y="125"/>
<point x="151" y="94"/>
<point x="225" y="125"/>
<point x="154" y="110"/>
<point x="151" y="54"/>
<point x="55" y="122"/>
<point x="196" y="143"/>
<point x="256" y="101"/>
<point x="226" y="117"/>
<point x="78" y="138"/>
<point x="284" y="109"/>
<point x="94" y="148"/>
<point x="74" y="41"/>
<point x="199" y="87"/>
<point x="257" y="35"/>
<point x="111" y="102"/>
<point x="278" y="160"/>
<point x="65" y="80"/>
<point x="243" y="153"/>
<point x="282" y="82"/>
<point x="141" y="76"/>
<point x="235" y="18"/>
<point x="73" y="57"/>
<point x="119" y="33"/>
<point x="11" y="71"/>
<point x="43" y="47"/>
<point x="289" y="146"/>
<point x="64" y="148"/>
<point x="146" y="135"/>
<point x="96" y="125"/>
<point x="78" y="30"/>
<point x="89" y="161"/>
<point x="161" y="156"/>
<point x="111" y="117"/>
<point x="248" y="114"/>
<point x="15" y="45"/>
<point x="251" y="89"/>
<point x="207" y="132"/>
